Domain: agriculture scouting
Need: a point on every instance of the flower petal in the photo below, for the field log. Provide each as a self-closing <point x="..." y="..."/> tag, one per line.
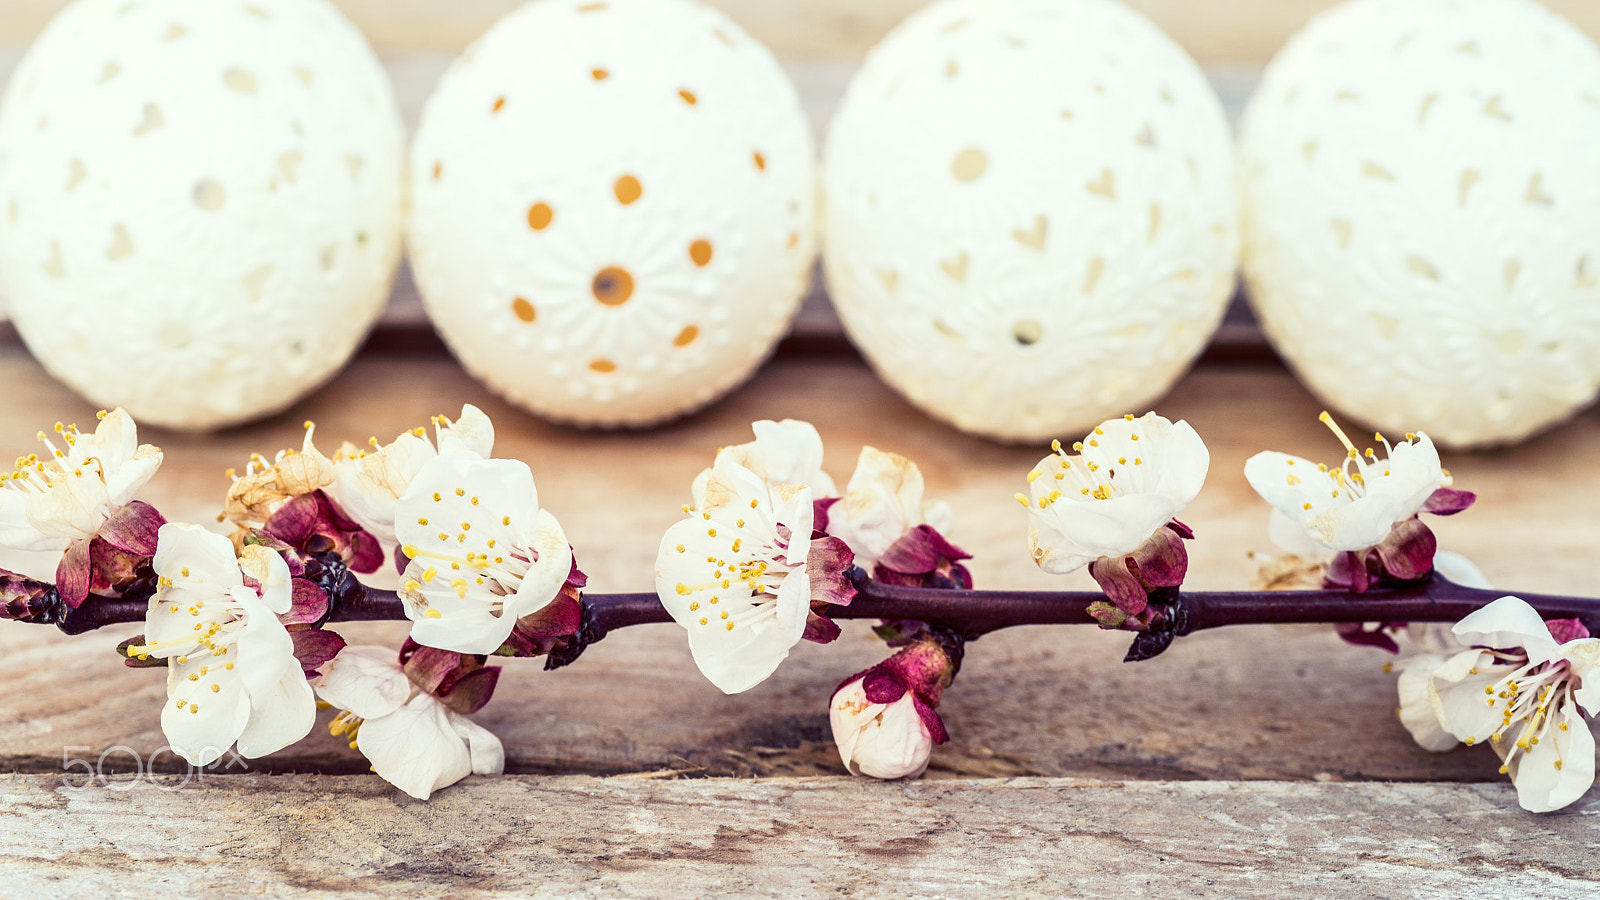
<point x="1416" y="705"/>
<point x="1508" y="623"/>
<point x="280" y="715"/>
<point x="1560" y="768"/>
<point x="203" y="718"/>
<point x="416" y="748"/>
<point x="366" y="681"/>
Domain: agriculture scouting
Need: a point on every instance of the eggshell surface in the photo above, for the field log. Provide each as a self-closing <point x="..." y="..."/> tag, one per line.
<point x="1423" y="215"/>
<point x="613" y="218"/>
<point x="1031" y="217"/>
<point x="200" y="202"/>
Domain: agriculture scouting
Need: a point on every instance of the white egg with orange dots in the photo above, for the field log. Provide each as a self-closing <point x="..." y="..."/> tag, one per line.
<point x="613" y="208"/>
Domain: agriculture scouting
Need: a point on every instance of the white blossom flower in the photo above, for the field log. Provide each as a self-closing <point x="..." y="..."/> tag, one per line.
<point x="483" y="554"/>
<point x="368" y="484"/>
<point x="412" y="739"/>
<point x="1521" y="690"/>
<point x="787" y="452"/>
<point x="879" y="740"/>
<point x="1317" y="509"/>
<point x="1128" y="478"/>
<point x="882" y="502"/>
<point x="232" y="676"/>
<point x="741" y="572"/>
<point x="266" y="486"/>
<point x="47" y="503"/>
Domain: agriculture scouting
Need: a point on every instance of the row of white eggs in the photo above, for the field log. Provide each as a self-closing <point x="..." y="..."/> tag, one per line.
<point x="1032" y="215"/>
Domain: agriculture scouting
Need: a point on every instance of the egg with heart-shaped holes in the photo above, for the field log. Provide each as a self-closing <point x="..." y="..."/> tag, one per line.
<point x="1423" y="215"/>
<point x="201" y="202"/>
<point x="612" y="208"/>
<point x="1031" y="222"/>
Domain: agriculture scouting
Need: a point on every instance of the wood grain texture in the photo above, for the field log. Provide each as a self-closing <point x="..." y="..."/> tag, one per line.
<point x="310" y="837"/>
<point x="1259" y="703"/>
<point x="1214" y="31"/>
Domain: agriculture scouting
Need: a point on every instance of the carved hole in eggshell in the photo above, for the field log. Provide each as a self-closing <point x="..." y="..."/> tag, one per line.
<point x="603" y="366"/>
<point x="1536" y="195"/>
<point x="1091" y="277"/>
<point x="524" y="310"/>
<point x="1104" y="186"/>
<point x="700" y="252"/>
<point x="55" y="266"/>
<point x="121" y="243"/>
<point x="539" y="215"/>
<point x="627" y="189"/>
<point x="1027" y="332"/>
<point x="240" y="80"/>
<point x="613" y="286"/>
<point x="1469" y="178"/>
<point x="499" y="104"/>
<point x="1342" y="229"/>
<point x="1376" y="171"/>
<point x="289" y="165"/>
<point x="969" y="165"/>
<point x="1422" y="268"/>
<point x="151" y="120"/>
<point x="210" y="195"/>
<point x="686" y="336"/>
<point x="1584" y="278"/>
<point x="599" y="74"/>
<point x="112" y="69"/>
<point x="1513" y="270"/>
<point x="688" y="97"/>
<point x="1427" y="107"/>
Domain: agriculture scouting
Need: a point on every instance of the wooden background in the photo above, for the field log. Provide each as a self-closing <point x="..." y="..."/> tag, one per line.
<point x="1214" y="31"/>
<point x="1243" y="763"/>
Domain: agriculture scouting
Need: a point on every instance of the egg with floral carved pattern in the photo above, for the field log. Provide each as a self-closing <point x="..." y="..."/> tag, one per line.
<point x="200" y="202"/>
<point x="1423" y="215"/>
<point x="1031" y="220"/>
<point x="612" y="208"/>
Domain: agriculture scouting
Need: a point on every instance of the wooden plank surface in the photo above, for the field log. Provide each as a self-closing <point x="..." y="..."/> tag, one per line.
<point x="1258" y="703"/>
<point x="308" y="836"/>
<point x="1214" y="31"/>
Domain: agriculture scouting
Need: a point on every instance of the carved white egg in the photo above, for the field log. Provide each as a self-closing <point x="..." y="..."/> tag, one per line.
<point x="1423" y="215"/>
<point x="1031" y="220"/>
<point x="200" y="202"/>
<point x="613" y="208"/>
